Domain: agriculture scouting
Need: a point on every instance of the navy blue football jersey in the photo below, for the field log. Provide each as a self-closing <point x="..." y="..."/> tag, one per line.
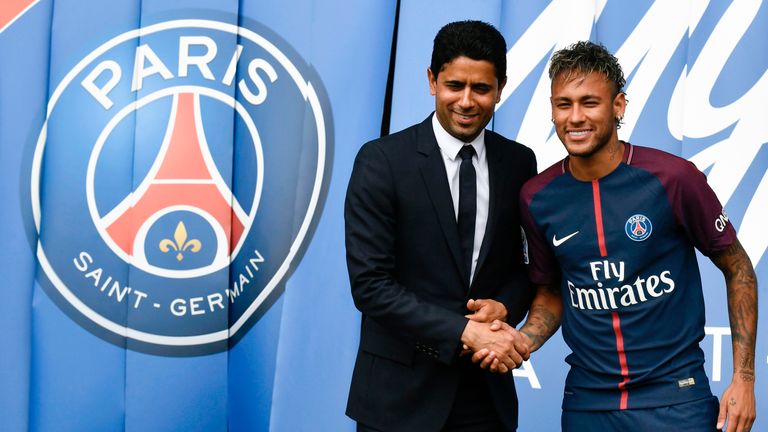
<point x="622" y="250"/>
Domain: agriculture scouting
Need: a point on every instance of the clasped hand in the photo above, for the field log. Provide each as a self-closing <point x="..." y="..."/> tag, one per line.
<point x="495" y="345"/>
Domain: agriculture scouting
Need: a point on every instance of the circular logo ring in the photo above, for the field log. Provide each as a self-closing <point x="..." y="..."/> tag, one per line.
<point x="310" y="96"/>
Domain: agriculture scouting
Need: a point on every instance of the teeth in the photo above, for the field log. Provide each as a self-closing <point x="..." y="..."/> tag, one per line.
<point x="579" y="133"/>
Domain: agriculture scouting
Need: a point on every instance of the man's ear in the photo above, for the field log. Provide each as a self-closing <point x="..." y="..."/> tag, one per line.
<point x="619" y="105"/>
<point x="501" y="87"/>
<point x="432" y="82"/>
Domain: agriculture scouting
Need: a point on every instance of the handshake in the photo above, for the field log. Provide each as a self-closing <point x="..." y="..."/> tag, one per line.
<point x="494" y="344"/>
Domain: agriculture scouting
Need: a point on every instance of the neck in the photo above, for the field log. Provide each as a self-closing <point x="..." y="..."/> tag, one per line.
<point x="599" y="164"/>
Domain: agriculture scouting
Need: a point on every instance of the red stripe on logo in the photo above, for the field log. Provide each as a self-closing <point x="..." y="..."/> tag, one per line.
<point x="622" y="360"/>
<point x="599" y="218"/>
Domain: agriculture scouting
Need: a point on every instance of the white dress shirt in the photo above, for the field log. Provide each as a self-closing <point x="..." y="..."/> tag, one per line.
<point x="449" y="149"/>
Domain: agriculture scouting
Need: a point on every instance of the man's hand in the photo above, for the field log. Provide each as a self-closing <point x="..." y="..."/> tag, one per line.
<point x="489" y="359"/>
<point x="543" y="321"/>
<point x="486" y="310"/>
<point x="504" y="344"/>
<point x="738" y="405"/>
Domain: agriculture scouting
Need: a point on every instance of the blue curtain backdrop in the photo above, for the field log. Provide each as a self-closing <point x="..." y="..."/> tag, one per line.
<point x="282" y="96"/>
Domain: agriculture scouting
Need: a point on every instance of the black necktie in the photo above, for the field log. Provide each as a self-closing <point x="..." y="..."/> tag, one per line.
<point x="467" y="206"/>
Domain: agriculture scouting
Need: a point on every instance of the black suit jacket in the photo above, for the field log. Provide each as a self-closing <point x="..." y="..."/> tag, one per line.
<point x="404" y="262"/>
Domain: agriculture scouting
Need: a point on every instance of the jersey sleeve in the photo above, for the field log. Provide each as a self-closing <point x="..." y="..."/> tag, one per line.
<point x="699" y="211"/>
<point x="542" y="266"/>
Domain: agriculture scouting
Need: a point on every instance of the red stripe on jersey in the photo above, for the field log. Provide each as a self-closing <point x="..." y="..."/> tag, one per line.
<point x="614" y="315"/>
<point x="622" y="360"/>
<point x="599" y="218"/>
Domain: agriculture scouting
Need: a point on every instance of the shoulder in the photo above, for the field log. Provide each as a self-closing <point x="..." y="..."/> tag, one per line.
<point x="671" y="170"/>
<point x="658" y="160"/>
<point x="508" y="146"/>
<point x="540" y="181"/>
<point x="390" y="145"/>
<point x="400" y="142"/>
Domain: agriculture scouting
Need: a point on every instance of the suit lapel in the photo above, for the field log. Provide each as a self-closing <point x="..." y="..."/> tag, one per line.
<point x="436" y="180"/>
<point x="495" y="175"/>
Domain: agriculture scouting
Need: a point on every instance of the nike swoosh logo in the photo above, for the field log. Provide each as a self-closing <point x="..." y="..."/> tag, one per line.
<point x="557" y="242"/>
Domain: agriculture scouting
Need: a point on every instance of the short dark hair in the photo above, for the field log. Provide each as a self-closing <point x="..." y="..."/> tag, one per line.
<point x="474" y="39"/>
<point x="585" y="57"/>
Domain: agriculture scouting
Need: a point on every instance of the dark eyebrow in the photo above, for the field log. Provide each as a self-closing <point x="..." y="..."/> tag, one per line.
<point x="590" y="97"/>
<point x="585" y="98"/>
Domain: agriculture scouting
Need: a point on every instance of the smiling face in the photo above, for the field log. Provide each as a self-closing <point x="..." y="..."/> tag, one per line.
<point x="584" y="110"/>
<point x="466" y="92"/>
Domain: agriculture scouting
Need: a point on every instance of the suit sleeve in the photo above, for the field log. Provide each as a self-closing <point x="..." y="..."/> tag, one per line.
<point x="370" y="237"/>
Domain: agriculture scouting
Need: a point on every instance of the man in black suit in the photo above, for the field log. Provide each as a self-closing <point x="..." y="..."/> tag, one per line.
<point x="435" y="254"/>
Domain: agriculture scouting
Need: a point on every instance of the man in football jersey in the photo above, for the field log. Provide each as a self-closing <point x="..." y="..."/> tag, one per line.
<point x="612" y="231"/>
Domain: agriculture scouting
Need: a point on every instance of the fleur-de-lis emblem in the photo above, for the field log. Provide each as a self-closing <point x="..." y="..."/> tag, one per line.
<point x="181" y="244"/>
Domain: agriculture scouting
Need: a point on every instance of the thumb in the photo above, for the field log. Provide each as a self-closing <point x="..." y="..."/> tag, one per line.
<point x="722" y="414"/>
<point x="471" y="304"/>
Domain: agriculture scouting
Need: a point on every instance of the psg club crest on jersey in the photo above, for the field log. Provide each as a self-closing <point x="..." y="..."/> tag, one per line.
<point x="638" y="227"/>
<point x="176" y="180"/>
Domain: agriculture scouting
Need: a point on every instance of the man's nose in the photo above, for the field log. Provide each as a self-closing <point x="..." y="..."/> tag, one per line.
<point x="576" y="114"/>
<point x="466" y="101"/>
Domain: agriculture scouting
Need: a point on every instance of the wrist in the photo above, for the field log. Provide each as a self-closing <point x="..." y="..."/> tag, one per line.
<point x="468" y="335"/>
<point x="528" y="338"/>
<point x="746" y="377"/>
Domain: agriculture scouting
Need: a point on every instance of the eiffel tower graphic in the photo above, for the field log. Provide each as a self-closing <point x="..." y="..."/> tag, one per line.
<point x="183" y="176"/>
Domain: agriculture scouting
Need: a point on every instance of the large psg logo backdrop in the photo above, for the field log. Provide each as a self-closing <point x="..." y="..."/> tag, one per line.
<point x="187" y="161"/>
<point x="179" y="170"/>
